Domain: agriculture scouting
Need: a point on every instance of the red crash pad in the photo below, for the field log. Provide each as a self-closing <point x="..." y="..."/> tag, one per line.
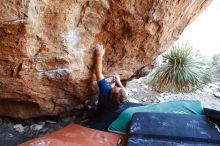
<point x="76" y="135"/>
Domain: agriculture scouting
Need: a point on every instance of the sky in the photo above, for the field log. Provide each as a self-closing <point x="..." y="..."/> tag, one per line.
<point x="204" y="33"/>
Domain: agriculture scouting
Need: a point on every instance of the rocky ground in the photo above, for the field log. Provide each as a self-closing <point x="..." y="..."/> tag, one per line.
<point x="14" y="132"/>
<point x="208" y="94"/>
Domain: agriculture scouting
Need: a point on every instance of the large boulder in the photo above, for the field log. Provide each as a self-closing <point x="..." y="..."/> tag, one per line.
<point x="47" y="47"/>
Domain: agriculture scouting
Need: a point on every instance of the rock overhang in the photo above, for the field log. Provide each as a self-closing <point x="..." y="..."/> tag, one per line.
<point x="47" y="54"/>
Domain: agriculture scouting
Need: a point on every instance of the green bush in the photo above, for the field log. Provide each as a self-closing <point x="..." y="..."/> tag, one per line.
<point x="181" y="70"/>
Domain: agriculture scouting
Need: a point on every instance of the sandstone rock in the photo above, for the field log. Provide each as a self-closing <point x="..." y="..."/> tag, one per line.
<point x="46" y="47"/>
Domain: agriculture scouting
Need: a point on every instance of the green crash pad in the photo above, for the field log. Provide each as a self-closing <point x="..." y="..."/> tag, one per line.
<point x="191" y="107"/>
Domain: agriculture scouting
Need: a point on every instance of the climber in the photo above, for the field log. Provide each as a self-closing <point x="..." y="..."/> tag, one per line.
<point x="109" y="97"/>
<point x="112" y="99"/>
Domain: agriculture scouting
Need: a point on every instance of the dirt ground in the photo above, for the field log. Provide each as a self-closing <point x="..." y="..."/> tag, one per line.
<point x="140" y="92"/>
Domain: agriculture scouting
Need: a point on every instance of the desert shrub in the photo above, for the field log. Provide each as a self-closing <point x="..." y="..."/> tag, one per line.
<point x="181" y="70"/>
<point x="216" y="59"/>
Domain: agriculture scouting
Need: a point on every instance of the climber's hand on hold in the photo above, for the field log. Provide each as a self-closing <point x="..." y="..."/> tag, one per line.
<point x="117" y="79"/>
<point x="100" y="50"/>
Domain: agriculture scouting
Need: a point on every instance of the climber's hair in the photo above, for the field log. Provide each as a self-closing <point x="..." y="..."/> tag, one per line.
<point x="117" y="98"/>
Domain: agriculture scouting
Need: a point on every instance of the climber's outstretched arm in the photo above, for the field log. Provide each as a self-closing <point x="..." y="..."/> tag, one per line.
<point x="100" y="51"/>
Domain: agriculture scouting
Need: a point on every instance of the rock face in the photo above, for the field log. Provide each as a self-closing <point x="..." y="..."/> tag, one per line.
<point x="46" y="47"/>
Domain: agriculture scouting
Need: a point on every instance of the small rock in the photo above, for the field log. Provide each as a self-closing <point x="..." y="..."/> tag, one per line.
<point x="161" y="94"/>
<point x="134" y="90"/>
<point x="138" y="81"/>
<point x="19" y="128"/>
<point x="66" y="120"/>
<point x="73" y="118"/>
<point x="168" y="97"/>
<point x="214" y="86"/>
<point x="93" y="99"/>
<point x="207" y="90"/>
<point x="156" y="101"/>
<point x="80" y="106"/>
<point x="89" y="107"/>
<point x="44" y="130"/>
<point x="130" y="94"/>
<point x="217" y="94"/>
<point x="144" y="86"/>
<point x="9" y="124"/>
<point x="51" y="122"/>
<point x="198" y="91"/>
<point x="144" y="99"/>
<point x="133" y="100"/>
<point x="37" y="127"/>
<point x="10" y="135"/>
<point x="160" y="99"/>
<point x="87" y="101"/>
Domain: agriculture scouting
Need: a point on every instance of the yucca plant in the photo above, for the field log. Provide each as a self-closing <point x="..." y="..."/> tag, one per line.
<point x="181" y="70"/>
<point x="216" y="59"/>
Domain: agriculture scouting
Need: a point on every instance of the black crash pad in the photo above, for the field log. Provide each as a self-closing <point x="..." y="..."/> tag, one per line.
<point x="102" y="119"/>
<point x="172" y="129"/>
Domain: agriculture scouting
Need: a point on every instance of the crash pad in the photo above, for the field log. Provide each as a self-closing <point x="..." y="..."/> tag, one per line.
<point x="76" y="135"/>
<point x="103" y="118"/>
<point x="212" y="114"/>
<point x="172" y="129"/>
<point x="192" y="107"/>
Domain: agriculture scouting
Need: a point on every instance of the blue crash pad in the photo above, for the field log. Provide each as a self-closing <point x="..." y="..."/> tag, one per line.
<point x="172" y="129"/>
<point x="122" y="123"/>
